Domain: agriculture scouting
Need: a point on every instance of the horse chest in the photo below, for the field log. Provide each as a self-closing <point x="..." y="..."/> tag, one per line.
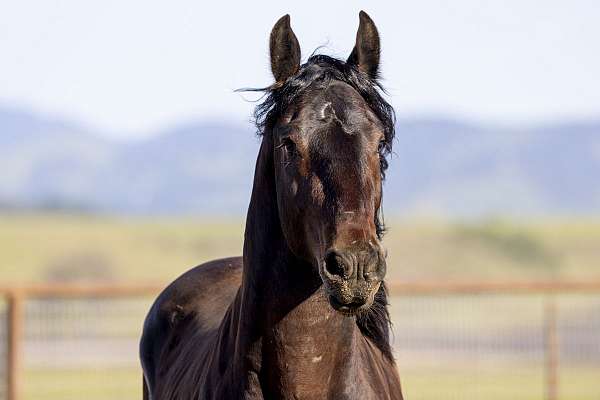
<point x="314" y="358"/>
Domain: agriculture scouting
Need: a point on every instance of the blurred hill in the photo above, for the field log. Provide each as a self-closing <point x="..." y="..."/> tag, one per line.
<point x="441" y="166"/>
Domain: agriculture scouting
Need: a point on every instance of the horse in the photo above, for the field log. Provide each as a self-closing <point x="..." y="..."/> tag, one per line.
<point x="303" y="313"/>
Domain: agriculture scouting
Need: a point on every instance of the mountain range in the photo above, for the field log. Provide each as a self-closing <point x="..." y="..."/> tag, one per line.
<point x="440" y="166"/>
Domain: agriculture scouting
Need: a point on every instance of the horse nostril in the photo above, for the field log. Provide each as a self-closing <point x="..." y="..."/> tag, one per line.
<point x="334" y="264"/>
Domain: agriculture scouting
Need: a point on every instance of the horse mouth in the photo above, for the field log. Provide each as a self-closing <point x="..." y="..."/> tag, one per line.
<point x="354" y="307"/>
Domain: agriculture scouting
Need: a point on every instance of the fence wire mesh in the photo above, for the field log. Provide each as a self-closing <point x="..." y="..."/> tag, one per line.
<point x="497" y="346"/>
<point x="483" y="346"/>
<point x="78" y="346"/>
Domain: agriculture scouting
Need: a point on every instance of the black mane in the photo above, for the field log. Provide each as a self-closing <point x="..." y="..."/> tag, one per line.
<point x="374" y="323"/>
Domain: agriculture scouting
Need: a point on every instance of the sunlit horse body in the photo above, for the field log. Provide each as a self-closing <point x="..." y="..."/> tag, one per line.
<point x="303" y="314"/>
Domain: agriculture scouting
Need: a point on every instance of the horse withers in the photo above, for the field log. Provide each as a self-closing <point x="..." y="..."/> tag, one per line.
<point x="303" y="313"/>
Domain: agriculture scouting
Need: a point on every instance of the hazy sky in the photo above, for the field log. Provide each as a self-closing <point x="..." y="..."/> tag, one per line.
<point x="134" y="67"/>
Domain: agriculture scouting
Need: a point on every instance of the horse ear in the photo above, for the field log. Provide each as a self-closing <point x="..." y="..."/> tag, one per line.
<point x="365" y="54"/>
<point x="285" y="50"/>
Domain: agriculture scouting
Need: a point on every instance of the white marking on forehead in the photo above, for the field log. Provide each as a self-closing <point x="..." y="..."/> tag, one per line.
<point x="323" y="113"/>
<point x="327" y="110"/>
<point x="317" y="359"/>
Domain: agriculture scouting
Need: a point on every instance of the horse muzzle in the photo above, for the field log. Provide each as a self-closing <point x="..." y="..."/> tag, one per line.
<point x="352" y="277"/>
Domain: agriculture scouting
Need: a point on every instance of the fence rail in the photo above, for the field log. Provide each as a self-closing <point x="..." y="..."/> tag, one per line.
<point x="15" y="298"/>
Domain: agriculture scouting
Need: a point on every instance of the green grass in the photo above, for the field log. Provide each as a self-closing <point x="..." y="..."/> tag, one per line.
<point x="59" y="247"/>
<point x="509" y="382"/>
<point x="469" y="383"/>
<point x="38" y="248"/>
<point x="88" y="384"/>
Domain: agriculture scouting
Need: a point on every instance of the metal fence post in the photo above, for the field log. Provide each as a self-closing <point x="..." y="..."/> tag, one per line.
<point x="551" y="348"/>
<point x="14" y="332"/>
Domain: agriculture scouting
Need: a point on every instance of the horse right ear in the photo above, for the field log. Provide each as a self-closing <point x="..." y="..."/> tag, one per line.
<point x="285" y="50"/>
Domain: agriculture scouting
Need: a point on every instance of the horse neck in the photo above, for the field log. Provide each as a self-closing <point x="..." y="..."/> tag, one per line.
<point x="274" y="280"/>
<point x="272" y="274"/>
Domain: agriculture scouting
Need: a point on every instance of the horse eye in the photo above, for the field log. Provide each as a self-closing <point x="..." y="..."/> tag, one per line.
<point x="381" y="146"/>
<point x="288" y="145"/>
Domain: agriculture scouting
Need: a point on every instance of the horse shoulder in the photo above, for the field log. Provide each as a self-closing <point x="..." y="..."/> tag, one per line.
<point x="201" y="295"/>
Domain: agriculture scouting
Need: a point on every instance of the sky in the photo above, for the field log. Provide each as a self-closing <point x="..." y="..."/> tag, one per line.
<point x="132" y="68"/>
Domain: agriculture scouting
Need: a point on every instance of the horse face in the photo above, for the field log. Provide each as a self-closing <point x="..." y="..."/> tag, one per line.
<point x="327" y="147"/>
<point x="327" y="168"/>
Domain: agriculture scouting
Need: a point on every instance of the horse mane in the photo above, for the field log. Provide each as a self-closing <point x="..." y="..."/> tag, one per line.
<point x="375" y="323"/>
<point x="321" y="69"/>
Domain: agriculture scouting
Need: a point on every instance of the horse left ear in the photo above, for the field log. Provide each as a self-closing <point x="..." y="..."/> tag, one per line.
<point x="365" y="54"/>
<point x="285" y="50"/>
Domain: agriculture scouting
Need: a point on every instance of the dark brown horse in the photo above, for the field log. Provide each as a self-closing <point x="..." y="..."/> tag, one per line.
<point x="303" y="314"/>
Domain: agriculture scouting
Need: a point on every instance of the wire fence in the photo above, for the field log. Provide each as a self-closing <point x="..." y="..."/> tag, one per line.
<point x="452" y="341"/>
<point x="498" y="346"/>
